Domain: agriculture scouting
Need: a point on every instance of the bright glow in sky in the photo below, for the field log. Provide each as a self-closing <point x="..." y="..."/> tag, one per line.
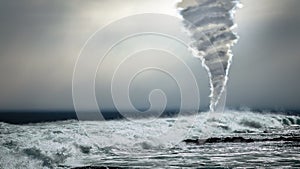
<point x="40" y="41"/>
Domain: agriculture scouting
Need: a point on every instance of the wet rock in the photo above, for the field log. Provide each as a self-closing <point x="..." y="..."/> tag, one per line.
<point x="238" y="140"/>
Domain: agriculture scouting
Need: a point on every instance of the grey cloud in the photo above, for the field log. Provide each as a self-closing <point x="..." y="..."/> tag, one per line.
<point x="40" y="41"/>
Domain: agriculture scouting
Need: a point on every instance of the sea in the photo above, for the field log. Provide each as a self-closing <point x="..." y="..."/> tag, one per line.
<point x="156" y="142"/>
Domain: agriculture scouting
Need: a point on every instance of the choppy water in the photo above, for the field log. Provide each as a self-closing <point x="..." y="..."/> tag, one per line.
<point x="152" y="143"/>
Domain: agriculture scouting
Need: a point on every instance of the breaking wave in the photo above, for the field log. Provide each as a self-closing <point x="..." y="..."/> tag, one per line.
<point x="66" y="143"/>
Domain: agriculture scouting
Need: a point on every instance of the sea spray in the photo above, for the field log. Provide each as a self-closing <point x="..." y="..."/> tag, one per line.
<point x="210" y="24"/>
<point x="123" y="143"/>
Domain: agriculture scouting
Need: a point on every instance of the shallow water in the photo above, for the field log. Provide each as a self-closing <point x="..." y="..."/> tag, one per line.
<point x="148" y="143"/>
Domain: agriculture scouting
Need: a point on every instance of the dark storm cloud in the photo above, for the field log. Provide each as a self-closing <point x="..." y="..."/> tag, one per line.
<point x="266" y="64"/>
<point x="40" y="41"/>
<point x="35" y="67"/>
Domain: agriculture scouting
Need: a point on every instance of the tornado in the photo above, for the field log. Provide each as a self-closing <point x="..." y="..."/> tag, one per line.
<point x="210" y="23"/>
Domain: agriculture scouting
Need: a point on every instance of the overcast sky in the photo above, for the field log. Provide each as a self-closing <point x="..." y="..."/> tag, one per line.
<point x="40" y="41"/>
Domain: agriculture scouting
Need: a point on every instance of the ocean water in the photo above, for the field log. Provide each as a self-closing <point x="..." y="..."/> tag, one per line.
<point x="153" y="143"/>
